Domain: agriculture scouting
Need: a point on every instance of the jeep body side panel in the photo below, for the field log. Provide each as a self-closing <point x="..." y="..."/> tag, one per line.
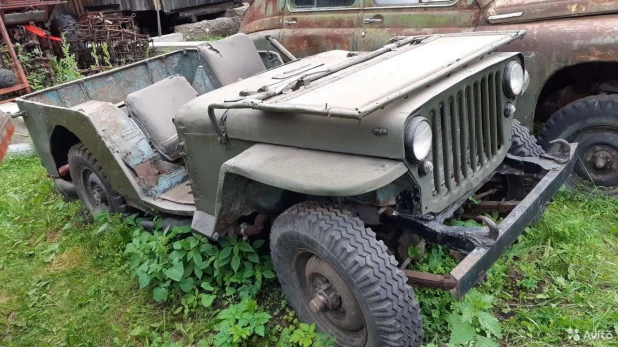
<point x="573" y="41"/>
<point x="92" y="127"/>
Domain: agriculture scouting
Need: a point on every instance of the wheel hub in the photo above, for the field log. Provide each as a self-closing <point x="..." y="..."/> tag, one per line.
<point x="326" y="299"/>
<point x="97" y="195"/>
<point x="603" y="158"/>
<point x="331" y="299"/>
<point x="598" y="155"/>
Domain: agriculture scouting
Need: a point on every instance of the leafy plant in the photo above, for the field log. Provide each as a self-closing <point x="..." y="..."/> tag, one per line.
<point x="95" y="55"/>
<point x="106" y="55"/>
<point x="239" y="322"/>
<point x="302" y="335"/>
<point x="238" y="268"/>
<point x="65" y="68"/>
<point x="473" y="321"/>
<point x="36" y="70"/>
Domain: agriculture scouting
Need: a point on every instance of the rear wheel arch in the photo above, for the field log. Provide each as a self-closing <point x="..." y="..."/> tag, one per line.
<point x="60" y="142"/>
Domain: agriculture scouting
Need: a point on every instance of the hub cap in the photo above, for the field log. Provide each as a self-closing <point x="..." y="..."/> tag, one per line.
<point x="598" y="159"/>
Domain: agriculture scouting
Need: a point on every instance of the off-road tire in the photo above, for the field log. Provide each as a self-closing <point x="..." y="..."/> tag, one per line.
<point x="391" y="312"/>
<point x="79" y="158"/>
<point x="591" y="117"/>
<point x="523" y="143"/>
<point x="7" y="78"/>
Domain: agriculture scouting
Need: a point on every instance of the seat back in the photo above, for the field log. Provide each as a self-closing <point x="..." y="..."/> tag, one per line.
<point x="154" y="108"/>
<point x="231" y="59"/>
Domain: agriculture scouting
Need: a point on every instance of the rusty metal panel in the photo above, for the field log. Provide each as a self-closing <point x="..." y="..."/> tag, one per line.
<point x="380" y="22"/>
<point x="550" y="46"/>
<point x="308" y="31"/>
<point x="514" y="11"/>
<point x="6" y="132"/>
<point x="263" y="15"/>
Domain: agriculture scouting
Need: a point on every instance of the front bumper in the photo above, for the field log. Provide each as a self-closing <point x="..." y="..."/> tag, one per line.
<point x="484" y="245"/>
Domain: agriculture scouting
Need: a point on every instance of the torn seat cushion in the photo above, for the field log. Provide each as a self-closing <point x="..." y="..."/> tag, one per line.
<point x="155" y="107"/>
<point x="231" y="59"/>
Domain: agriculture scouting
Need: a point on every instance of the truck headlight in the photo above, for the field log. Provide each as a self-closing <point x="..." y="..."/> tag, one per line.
<point x="513" y="79"/>
<point x="418" y="138"/>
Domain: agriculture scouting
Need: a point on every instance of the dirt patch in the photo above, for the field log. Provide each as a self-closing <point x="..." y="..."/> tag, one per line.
<point x="53" y="236"/>
<point x="71" y="259"/>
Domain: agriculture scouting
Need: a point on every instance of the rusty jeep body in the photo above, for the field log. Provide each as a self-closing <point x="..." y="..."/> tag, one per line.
<point x="570" y="51"/>
<point x="343" y="160"/>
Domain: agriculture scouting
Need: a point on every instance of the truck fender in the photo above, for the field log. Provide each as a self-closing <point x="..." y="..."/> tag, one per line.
<point x="303" y="171"/>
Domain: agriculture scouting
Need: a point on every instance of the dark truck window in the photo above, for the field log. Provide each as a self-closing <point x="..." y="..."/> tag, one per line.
<point x="322" y="3"/>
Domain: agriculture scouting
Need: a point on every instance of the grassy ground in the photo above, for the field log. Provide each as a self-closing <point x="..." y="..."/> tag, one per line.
<point x="62" y="282"/>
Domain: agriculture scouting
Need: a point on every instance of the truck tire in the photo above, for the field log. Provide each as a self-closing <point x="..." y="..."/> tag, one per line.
<point x="91" y="184"/>
<point x="7" y="78"/>
<point x="336" y="274"/>
<point x="523" y="143"/>
<point x="593" y="123"/>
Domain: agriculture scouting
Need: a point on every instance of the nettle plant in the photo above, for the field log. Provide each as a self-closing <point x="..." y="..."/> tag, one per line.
<point x="472" y="321"/>
<point x="240" y="322"/>
<point x="166" y="259"/>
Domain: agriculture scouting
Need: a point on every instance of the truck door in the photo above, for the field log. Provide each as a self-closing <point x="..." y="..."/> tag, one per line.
<point x="383" y="19"/>
<point x="314" y="26"/>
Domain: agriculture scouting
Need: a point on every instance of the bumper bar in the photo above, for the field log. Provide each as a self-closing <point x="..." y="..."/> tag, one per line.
<point x="483" y="245"/>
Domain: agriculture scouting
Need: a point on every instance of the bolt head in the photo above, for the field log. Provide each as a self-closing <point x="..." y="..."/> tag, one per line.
<point x="509" y="110"/>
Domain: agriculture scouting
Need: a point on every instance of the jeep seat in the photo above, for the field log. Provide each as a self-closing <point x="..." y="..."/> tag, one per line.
<point x="231" y="59"/>
<point x="154" y="108"/>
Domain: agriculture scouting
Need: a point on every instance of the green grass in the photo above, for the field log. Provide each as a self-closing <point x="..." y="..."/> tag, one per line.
<point x="64" y="283"/>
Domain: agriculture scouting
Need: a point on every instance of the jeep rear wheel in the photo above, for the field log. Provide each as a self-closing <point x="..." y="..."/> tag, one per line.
<point x="91" y="184"/>
<point x="593" y="123"/>
<point x="337" y="275"/>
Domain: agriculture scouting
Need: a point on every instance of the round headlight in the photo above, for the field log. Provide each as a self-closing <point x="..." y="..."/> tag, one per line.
<point x="513" y="79"/>
<point x="418" y="139"/>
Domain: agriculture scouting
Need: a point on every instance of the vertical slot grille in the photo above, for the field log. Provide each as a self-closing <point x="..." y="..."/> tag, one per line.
<point x="467" y="125"/>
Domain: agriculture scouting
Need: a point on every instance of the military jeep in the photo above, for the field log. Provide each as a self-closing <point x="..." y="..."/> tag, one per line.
<point x="343" y="159"/>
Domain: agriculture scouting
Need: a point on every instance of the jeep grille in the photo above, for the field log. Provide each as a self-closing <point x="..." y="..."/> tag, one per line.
<point x="467" y="127"/>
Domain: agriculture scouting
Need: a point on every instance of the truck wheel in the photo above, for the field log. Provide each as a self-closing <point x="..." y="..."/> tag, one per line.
<point x="336" y="274"/>
<point x="593" y="123"/>
<point x="523" y="143"/>
<point x="91" y="184"/>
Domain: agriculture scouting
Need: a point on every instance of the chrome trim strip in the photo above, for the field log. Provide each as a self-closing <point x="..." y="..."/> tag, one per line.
<point x="506" y="15"/>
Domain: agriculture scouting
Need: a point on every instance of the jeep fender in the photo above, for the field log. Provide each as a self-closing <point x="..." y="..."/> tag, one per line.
<point x="298" y="170"/>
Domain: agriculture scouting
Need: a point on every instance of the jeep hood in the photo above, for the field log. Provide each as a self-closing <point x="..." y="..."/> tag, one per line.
<point x="515" y="11"/>
<point x="380" y="133"/>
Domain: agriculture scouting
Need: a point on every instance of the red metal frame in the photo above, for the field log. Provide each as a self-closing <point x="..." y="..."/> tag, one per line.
<point x="17" y="68"/>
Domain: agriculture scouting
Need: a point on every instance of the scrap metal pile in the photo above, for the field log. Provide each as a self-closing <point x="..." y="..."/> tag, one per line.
<point x="105" y="40"/>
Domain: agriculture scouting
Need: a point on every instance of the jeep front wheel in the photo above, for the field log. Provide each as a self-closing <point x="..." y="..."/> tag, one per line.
<point x="337" y="275"/>
<point x="91" y="184"/>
